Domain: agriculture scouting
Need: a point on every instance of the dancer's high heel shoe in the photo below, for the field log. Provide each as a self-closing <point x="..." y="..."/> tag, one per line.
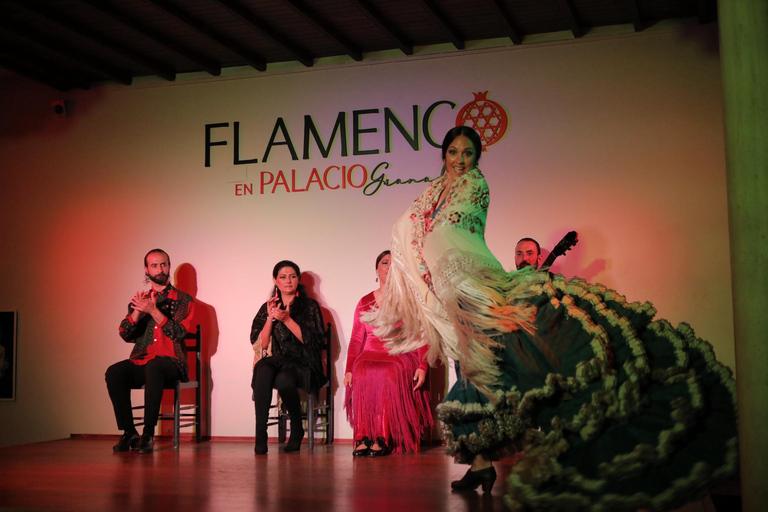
<point x="472" y="479"/>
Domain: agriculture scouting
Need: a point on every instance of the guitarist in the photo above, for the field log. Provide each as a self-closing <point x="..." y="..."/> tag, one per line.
<point x="527" y="253"/>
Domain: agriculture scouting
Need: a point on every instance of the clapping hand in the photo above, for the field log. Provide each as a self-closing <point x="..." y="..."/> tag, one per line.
<point x="281" y="315"/>
<point x="274" y="312"/>
<point x="144" y="302"/>
<point x="272" y="306"/>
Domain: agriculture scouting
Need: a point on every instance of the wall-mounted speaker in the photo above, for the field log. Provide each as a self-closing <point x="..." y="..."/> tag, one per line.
<point x="59" y="108"/>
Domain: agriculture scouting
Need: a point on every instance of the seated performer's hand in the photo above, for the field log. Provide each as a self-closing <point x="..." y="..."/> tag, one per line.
<point x="281" y="315"/>
<point x="418" y="377"/>
<point x="144" y="302"/>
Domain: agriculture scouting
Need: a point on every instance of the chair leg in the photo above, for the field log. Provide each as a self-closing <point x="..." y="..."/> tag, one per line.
<point x="282" y="422"/>
<point x="198" y="412"/>
<point x="311" y="419"/>
<point x="329" y="398"/>
<point x="176" y="415"/>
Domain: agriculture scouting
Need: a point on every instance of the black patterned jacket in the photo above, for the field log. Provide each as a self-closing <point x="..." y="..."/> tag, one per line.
<point x="177" y="307"/>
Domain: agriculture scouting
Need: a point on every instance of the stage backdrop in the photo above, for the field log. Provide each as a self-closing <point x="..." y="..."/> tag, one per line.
<point x="618" y="138"/>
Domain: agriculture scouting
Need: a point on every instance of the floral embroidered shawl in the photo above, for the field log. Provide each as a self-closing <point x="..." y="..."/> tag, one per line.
<point x="445" y="288"/>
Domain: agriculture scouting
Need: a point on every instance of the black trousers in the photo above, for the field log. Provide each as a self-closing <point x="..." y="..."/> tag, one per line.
<point x="159" y="373"/>
<point x="270" y="375"/>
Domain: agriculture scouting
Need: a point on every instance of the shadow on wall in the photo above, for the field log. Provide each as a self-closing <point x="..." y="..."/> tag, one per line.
<point x="311" y="282"/>
<point x="185" y="279"/>
<point x="573" y="263"/>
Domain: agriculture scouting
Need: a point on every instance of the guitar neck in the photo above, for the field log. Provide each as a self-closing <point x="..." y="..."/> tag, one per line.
<point x="563" y="246"/>
<point x="550" y="260"/>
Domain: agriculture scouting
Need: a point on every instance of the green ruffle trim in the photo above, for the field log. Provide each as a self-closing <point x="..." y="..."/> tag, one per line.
<point x="638" y="367"/>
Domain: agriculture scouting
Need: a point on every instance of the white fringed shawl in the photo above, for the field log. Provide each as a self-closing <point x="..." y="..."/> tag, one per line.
<point x="445" y="288"/>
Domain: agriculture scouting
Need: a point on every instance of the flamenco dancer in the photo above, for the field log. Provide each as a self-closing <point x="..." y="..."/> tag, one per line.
<point x="633" y="413"/>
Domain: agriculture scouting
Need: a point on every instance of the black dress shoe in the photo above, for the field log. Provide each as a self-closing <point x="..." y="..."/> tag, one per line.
<point x="127" y="442"/>
<point x="147" y="444"/>
<point x="362" y="452"/>
<point x="472" y="479"/>
<point x="294" y="441"/>
<point x="383" y="449"/>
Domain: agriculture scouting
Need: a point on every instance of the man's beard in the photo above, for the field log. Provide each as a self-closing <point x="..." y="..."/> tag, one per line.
<point x="161" y="279"/>
<point x="523" y="264"/>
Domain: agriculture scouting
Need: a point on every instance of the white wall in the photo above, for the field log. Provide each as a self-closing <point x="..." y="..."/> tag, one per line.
<point x="619" y="138"/>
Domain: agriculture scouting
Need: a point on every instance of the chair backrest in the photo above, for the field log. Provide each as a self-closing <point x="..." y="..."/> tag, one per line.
<point x="328" y="347"/>
<point x="196" y="347"/>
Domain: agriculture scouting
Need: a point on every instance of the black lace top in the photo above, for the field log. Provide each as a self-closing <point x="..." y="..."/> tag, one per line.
<point x="288" y="351"/>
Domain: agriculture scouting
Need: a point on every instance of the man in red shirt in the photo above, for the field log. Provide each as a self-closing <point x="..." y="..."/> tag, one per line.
<point x="157" y="321"/>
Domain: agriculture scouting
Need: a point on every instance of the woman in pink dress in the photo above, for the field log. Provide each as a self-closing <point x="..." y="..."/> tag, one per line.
<point x="385" y="402"/>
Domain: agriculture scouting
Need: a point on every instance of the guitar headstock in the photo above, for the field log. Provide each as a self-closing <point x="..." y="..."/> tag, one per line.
<point x="566" y="244"/>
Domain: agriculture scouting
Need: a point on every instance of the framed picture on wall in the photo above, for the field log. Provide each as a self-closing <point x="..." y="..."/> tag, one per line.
<point x="7" y="356"/>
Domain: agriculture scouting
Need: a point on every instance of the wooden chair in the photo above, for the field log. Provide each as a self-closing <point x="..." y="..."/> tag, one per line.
<point x="193" y="412"/>
<point x="319" y="412"/>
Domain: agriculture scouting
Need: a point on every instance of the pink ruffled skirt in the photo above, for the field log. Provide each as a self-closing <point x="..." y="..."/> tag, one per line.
<point x="381" y="401"/>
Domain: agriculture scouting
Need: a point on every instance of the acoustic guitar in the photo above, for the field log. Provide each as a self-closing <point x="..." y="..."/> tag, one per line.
<point x="566" y="244"/>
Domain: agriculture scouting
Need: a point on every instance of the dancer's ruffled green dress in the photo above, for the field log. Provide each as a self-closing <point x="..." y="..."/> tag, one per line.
<point x="612" y="409"/>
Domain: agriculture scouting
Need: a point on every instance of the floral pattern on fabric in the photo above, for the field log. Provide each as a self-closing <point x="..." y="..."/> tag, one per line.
<point x="465" y="207"/>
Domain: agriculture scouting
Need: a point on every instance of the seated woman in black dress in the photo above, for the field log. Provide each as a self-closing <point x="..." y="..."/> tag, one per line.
<point x="293" y="324"/>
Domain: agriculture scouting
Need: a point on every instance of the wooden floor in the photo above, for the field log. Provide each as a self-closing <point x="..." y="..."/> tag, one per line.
<point x="83" y="474"/>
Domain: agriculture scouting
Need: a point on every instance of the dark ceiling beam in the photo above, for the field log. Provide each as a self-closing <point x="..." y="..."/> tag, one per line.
<point x="256" y="61"/>
<point x="376" y="18"/>
<point x="442" y="22"/>
<point x="45" y="65"/>
<point x="634" y="10"/>
<point x="61" y="19"/>
<point x="507" y="22"/>
<point x="33" y="74"/>
<point x="321" y="26"/>
<point x="706" y="10"/>
<point x="576" y="29"/>
<point x="208" y="65"/>
<point x="261" y="27"/>
<point x="27" y="33"/>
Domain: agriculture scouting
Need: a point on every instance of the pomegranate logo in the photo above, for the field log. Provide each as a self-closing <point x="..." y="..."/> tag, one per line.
<point x="486" y="117"/>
